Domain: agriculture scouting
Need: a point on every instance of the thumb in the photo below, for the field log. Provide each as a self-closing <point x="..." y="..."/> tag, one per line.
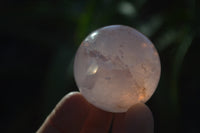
<point x="139" y="119"/>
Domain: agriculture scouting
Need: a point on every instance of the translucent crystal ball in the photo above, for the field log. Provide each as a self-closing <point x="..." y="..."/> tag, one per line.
<point x="116" y="67"/>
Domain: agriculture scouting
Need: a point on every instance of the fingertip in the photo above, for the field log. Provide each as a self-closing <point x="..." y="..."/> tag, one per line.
<point x="71" y="99"/>
<point x="139" y="119"/>
<point x="71" y="96"/>
<point x="68" y="115"/>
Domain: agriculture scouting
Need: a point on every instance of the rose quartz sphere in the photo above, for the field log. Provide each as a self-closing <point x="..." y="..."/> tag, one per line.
<point x="116" y="67"/>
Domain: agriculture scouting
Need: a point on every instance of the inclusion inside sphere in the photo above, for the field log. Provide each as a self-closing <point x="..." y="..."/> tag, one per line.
<point x="116" y="67"/>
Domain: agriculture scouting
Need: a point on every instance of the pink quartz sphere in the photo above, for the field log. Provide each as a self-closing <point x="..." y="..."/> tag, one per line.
<point x="116" y="67"/>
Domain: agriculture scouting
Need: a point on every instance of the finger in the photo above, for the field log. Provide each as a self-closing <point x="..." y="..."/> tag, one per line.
<point x="68" y="116"/>
<point x="98" y="121"/>
<point x="139" y="119"/>
<point x="118" y="123"/>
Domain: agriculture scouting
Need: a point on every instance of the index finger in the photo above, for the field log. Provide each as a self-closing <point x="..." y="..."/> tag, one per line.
<point x="74" y="114"/>
<point x="68" y="116"/>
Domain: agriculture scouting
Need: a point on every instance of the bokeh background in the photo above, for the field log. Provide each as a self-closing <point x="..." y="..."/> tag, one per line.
<point x="39" y="38"/>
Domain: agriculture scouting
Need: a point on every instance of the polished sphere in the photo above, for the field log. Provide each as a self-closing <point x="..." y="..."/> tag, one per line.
<point x="116" y="67"/>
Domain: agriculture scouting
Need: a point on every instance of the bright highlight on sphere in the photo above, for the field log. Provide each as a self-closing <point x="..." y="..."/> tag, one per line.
<point x="116" y="67"/>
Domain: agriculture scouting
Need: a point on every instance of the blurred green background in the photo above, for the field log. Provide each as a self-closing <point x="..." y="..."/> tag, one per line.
<point x="39" y="39"/>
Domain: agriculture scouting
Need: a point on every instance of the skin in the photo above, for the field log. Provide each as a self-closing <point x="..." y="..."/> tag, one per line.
<point x="73" y="114"/>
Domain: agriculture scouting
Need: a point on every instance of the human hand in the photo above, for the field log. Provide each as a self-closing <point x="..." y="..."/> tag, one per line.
<point x="73" y="114"/>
